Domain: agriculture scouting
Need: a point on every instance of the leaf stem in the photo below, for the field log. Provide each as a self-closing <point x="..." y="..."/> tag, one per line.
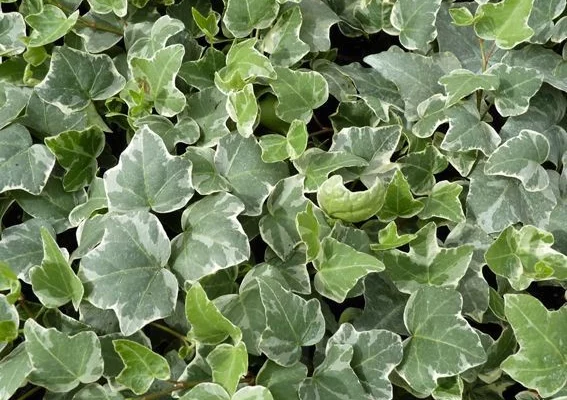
<point x="29" y="393"/>
<point x="321" y="132"/>
<point x="167" y="329"/>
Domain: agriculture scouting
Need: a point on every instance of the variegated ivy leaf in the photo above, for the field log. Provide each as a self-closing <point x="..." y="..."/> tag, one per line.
<point x="431" y="114"/>
<point x="141" y="366"/>
<point x="186" y="130"/>
<point x="505" y="22"/>
<point x="426" y="263"/>
<point x="76" y="152"/>
<point x="96" y="200"/>
<point x="415" y="19"/>
<point x="340" y="267"/>
<point x="208" y="25"/>
<point x="420" y="168"/>
<point x="436" y="326"/>
<point x="444" y="202"/>
<point x="283" y="382"/>
<point x="54" y="282"/>
<point x="278" y="148"/>
<point x="9" y="320"/>
<point x="283" y="41"/>
<point x="239" y="160"/>
<point x="242" y="16"/>
<point x="317" y="21"/>
<point x="399" y="201"/>
<point x="242" y="108"/>
<point x="106" y="34"/>
<point x="94" y="391"/>
<point x="253" y="393"/>
<point x="520" y="157"/>
<point x="205" y="176"/>
<point x="118" y="7"/>
<point x="496" y="202"/>
<point x="311" y="228"/>
<point x="201" y="73"/>
<point x="541" y="19"/>
<point x="540" y="362"/>
<point x="23" y="165"/>
<point x="148" y="177"/>
<point x="298" y="93"/>
<point x="340" y="203"/>
<point x="228" y="365"/>
<point x="461" y="83"/>
<point x="212" y="240"/>
<point x="517" y="86"/>
<point x="206" y="391"/>
<point x="13" y="28"/>
<point x="525" y="255"/>
<point x="133" y="251"/>
<point x="161" y="30"/>
<point x="13" y="100"/>
<point x="75" y="78"/>
<point x="277" y="227"/>
<point x="388" y="238"/>
<point x="49" y="25"/>
<point x="291" y="322"/>
<point x="16" y="367"/>
<point x="208" y="108"/>
<point x="156" y="76"/>
<point x="9" y="283"/>
<point x="61" y="362"/>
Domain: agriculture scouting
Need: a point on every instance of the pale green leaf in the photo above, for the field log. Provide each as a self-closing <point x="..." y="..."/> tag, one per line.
<point x="208" y="109"/>
<point x="212" y="240"/>
<point x="96" y="201"/>
<point x="49" y="25"/>
<point x="253" y="393"/>
<point x="242" y="108"/>
<point x="461" y="16"/>
<point x="421" y="166"/>
<point x="399" y="201"/>
<point x="388" y="238"/>
<point x="541" y="18"/>
<point x="283" y="382"/>
<point x="311" y="229"/>
<point x="186" y="130"/>
<point x="201" y="73"/>
<point x="228" y="364"/>
<point x="148" y="177"/>
<point x="317" y="21"/>
<point x="415" y="19"/>
<point x="12" y="28"/>
<point x="278" y="148"/>
<point x="13" y="100"/>
<point x="94" y="391"/>
<point x="444" y="202"/>
<point x="9" y="321"/>
<point x="242" y="16"/>
<point x="133" y="251"/>
<point x="431" y="114"/>
<point x="206" y="391"/>
<point x="118" y="7"/>
<point x="141" y="366"/>
<point x="149" y="43"/>
<point x="205" y="176"/>
<point x="15" y="367"/>
<point x="461" y="83"/>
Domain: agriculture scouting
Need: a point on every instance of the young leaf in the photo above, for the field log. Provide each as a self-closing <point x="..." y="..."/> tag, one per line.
<point x="310" y="230"/>
<point x="205" y="176"/>
<point x="49" y="25"/>
<point x="148" y="177"/>
<point x="242" y="16"/>
<point x="461" y="83"/>
<point x="388" y="238"/>
<point x="421" y="166"/>
<point x="415" y="19"/>
<point x="399" y="201"/>
<point x="141" y="366"/>
<point x="131" y="255"/>
<point x="55" y="282"/>
<point x="118" y="7"/>
<point x="228" y="364"/>
<point x="185" y="131"/>
<point x="278" y="148"/>
<point x="242" y="108"/>
<point x="201" y="73"/>
<point x="443" y="202"/>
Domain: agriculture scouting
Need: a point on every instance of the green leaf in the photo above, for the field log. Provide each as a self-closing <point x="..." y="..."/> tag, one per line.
<point x="16" y="367"/>
<point x="208" y="325"/>
<point x="415" y="19"/>
<point x="243" y="16"/>
<point x="55" y="282"/>
<point x="421" y="166"/>
<point x="317" y="21"/>
<point x="388" y="238"/>
<point x="505" y="22"/>
<point x="426" y="263"/>
<point x="23" y="165"/>
<point x="298" y="93"/>
<point x="431" y="114"/>
<point x="278" y="148"/>
<point x="205" y="176"/>
<point x="517" y="86"/>
<point x="118" y="7"/>
<point x="399" y="202"/>
<point x="520" y="157"/>
<point x="433" y="319"/>
<point x="444" y="202"/>
<point x="542" y="348"/>
<point x="201" y="73"/>
<point x="96" y="201"/>
<point x="340" y="267"/>
<point x="75" y="78"/>
<point x="461" y="83"/>
<point x="253" y="393"/>
<point x="283" y="382"/>
<point x="242" y="108"/>
<point x="310" y="229"/>
<point x="525" y="255"/>
<point x="149" y="43"/>
<point x="208" y="109"/>
<point x="228" y="364"/>
<point x="141" y="366"/>
<point x="106" y="34"/>
<point x="76" y="152"/>
<point x="212" y="240"/>
<point x="185" y="130"/>
<point x="283" y="41"/>
<point x="208" y="25"/>
<point x="291" y="322"/>
<point x="157" y="74"/>
<point x="94" y="391"/>
<point x="61" y="362"/>
<point x="461" y="16"/>
<point x="13" y="100"/>
<point x="206" y="391"/>
<point x="148" y="177"/>
<point x="49" y="25"/>
<point x="339" y="202"/>
<point x="9" y="320"/>
<point x="125" y="272"/>
<point x="9" y="282"/>
<point x="239" y="160"/>
<point x="13" y="29"/>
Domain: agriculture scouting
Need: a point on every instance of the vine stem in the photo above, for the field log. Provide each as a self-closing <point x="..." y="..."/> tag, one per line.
<point x="167" y="329"/>
<point x="29" y="393"/>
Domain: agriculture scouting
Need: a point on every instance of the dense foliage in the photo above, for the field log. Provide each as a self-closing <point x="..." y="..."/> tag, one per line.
<point x="283" y="199"/>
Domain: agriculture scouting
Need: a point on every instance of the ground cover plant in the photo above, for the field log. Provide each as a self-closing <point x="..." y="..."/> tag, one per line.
<point x="283" y="199"/>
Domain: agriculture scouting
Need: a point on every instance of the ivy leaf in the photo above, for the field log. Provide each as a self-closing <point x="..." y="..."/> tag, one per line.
<point x="340" y="203"/>
<point x="433" y="319"/>
<point x="443" y="202"/>
<point x="242" y="108"/>
<point x="399" y="201"/>
<point x="49" y="25"/>
<point x="105" y="36"/>
<point x="206" y="391"/>
<point x="212" y="240"/>
<point x="278" y="148"/>
<point x="208" y="109"/>
<point x="517" y="86"/>
<point x="205" y="176"/>
<point x="75" y="78"/>
<point x="186" y="130"/>
<point x="283" y="382"/>
<point x="76" y="152"/>
<point x="415" y="20"/>
<point x="61" y="362"/>
<point x="253" y="393"/>
<point x="23" y="165"/>
<point x="16" y="367"/>
<point x="298" y="93"/>
<point x="283" y="41"/>
<point x="208" y="325"/>
<point x="242" y="16"/>
<point x="132" y="254"/>
<point x="317" y="21"/>
<point x="421" y="166"/>
<point x="340" y="267"/>
<point x="55" y="282"/>
<point x="388" y="238"/>
<point x="310" y="230"/>
<point x="148" y="45"/>
<point x="141" y="366"/>
<point x="426" y="263"/>
<point x="228" y="364"/>
<point x="148" y="177"/>
<point x="520" y="157"/>
<point x="158" y="75"/>
<point x="96" y="392"/>
<point x="525" y="255"/>
<point x="461" y="83"/>
<point x="9" y="320"/>
<point x="118" y="7"/>
<point x="13" y="100"/>
<point x="13" y="28"/>
<point x="542" y="348"/>
<point x="201" y="73"/>
<point x="505" y="22"/>
<point x="291" y="322"/>
<point x="9" y="282"/>
<point x="239" y="160"/>
<point x="96" y="201"/>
